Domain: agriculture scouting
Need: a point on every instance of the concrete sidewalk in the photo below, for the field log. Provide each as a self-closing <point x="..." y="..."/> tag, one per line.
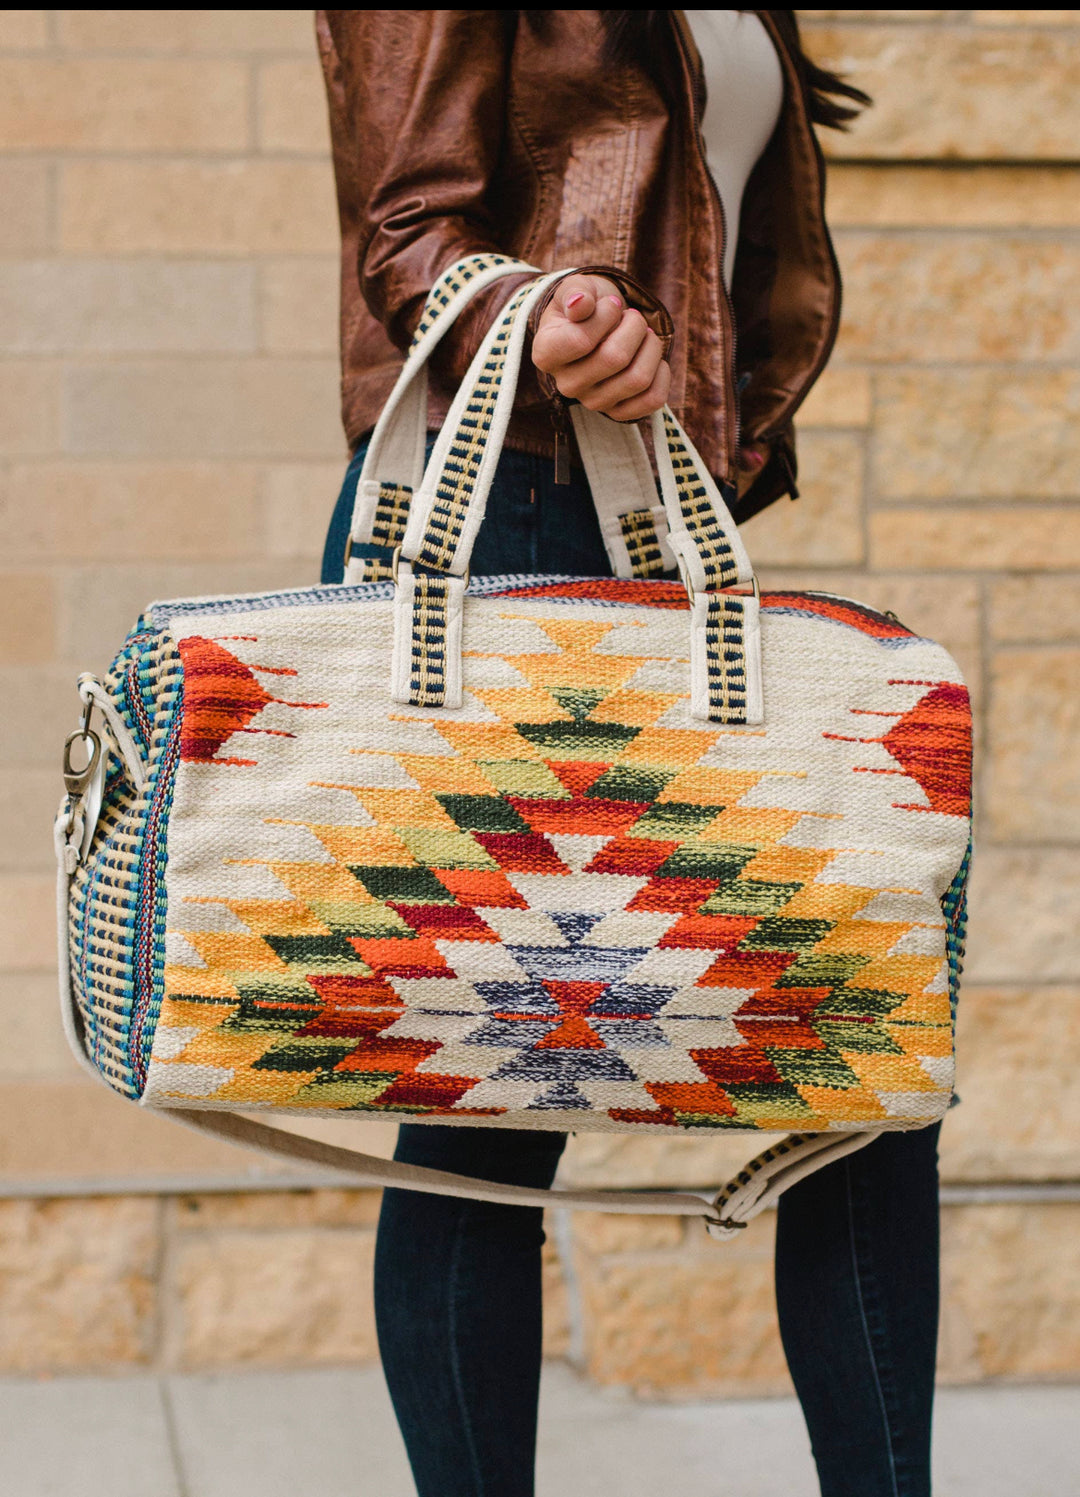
<point x="332" y="1434"/>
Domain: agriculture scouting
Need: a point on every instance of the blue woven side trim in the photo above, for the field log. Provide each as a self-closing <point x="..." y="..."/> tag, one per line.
<point x="954" y="908"/>
<point x="117" y="903"/>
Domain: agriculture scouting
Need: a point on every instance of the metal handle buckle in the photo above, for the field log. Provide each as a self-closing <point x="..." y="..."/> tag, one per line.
<point x="736" y="590"/>
<point x="396" y="561"/>
<point x="76" y="780"/>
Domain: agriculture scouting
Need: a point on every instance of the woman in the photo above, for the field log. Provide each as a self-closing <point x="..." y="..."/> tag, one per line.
<point x="672" y="155"/>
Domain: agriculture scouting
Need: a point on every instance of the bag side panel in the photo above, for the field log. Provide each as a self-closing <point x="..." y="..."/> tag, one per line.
<point x="117" y="895"/>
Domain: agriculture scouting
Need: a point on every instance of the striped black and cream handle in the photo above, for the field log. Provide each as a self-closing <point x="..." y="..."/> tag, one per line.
<point x="448" y="508"/>
<point x="394" y="461"/>
<point x="632" y="520"/>
<point x="758" y="1185"/>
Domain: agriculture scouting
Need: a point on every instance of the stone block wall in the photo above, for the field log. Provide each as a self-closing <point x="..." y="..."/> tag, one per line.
<point x="168" y="426"/>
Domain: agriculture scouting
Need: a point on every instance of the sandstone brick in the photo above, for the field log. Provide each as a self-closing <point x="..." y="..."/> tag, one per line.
<point x="122" y="104"/>
<point x="23" y="30"/>
<point x="34" y="1043"/>
<point x="291" y="104"/>
<point x="101" y="603"/>
<point x="1033" y="788"/>
<point x="597" y="1233"/>
<point x="275" y="1210"/>
<point x="967" y="197"/>
<point x="920" y="16"/>
<point x="977" y="433"/>
<point x="1026" y="17"/>
<point x="70" y="307"/>
<point x="970" y="95"/>
<point x="130" y="511"/>
<point x="1034" y="610"/>
<point x="27" y="618"/>
<point x="299" y="499"/>
<point x="28" y="801"/>
<point x="976" y="538"/>
<point x="27" y="922"/>
<point x="1018" y="1053"/>
<point x="693" y="1325"/>
<point x="241" y="207"/>
<point x="1025" y="916"/>
<point x="557" y="1320"/>
<point x="201" y="409"/>
<point x="29" y="408"/>
<point x="72" y="1128"/>
<point x="76" y="1283"/>
<point x="958" y="296"/>
<point x="291" y="1296"/>
<point x="841" y="397"/>
<point x="26" y="192"/>
<point x="41" y="708"/>
<point x="206" y="31"/>
<point x="825" y="525"/>
<point x="299" y="306"/>
<point x="1011" y="1291"/>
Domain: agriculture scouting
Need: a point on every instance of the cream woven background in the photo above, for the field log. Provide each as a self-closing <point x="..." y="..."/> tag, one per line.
<point x="168" y="425"/>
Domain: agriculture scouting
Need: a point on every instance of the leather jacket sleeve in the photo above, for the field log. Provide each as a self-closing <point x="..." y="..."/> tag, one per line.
<point x="425" y="131"/>
<point x="421" y="94"/>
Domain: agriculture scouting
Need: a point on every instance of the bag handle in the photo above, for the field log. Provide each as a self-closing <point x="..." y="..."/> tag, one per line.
<point x="632" y="520"/>
<point x="394" y="461"/>
<point x="725" y="654"/>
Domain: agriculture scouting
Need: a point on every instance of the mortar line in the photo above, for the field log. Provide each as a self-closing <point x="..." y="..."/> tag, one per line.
<point x="172" y="1433"/>
<point x="563" y="1233"/>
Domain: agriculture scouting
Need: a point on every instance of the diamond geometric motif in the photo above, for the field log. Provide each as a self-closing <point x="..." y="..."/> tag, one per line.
<point x="567" y="911"/>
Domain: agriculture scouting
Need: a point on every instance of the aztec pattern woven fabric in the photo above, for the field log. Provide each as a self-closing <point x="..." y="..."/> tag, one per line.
<point x="565" y="904"/>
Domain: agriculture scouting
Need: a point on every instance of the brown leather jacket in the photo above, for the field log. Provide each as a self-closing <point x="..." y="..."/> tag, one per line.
<point x="457" y="131"/>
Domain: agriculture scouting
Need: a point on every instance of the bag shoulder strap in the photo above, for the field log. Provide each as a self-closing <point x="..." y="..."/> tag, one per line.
<point x="758" y="1185"/>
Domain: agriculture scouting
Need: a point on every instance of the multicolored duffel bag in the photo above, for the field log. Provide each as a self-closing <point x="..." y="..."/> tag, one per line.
<point x="528" y="851"/>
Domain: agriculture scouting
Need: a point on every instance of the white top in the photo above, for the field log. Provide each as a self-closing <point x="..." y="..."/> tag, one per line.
<point x="745" y="91"/>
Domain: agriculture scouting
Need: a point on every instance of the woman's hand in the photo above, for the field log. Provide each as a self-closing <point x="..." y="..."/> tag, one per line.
<point x="601" y="352"/>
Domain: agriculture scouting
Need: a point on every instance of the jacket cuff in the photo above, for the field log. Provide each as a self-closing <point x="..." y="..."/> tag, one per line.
<point x="637" y="296"/>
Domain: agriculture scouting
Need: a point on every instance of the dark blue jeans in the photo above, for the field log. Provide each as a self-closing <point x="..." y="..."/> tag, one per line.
<point x="457" y="1283"/>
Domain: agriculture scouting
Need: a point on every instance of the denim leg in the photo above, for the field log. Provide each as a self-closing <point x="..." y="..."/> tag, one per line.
<point x="857" y="1292"/>
<point x="458" y="1311"/>
<point x="333" y="561"/>
<point x="531" y="524"/>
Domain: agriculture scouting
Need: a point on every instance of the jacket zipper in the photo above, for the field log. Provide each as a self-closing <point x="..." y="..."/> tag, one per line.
<point x="732" y="411"/>
<point x="561" y="422"/>
<point x="785" y="416"/>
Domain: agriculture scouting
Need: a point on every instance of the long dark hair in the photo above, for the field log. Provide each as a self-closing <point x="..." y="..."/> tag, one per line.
<point x="634" y="35"/>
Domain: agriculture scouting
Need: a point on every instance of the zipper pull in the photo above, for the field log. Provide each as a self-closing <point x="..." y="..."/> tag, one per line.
<point x="562" y="440"/>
